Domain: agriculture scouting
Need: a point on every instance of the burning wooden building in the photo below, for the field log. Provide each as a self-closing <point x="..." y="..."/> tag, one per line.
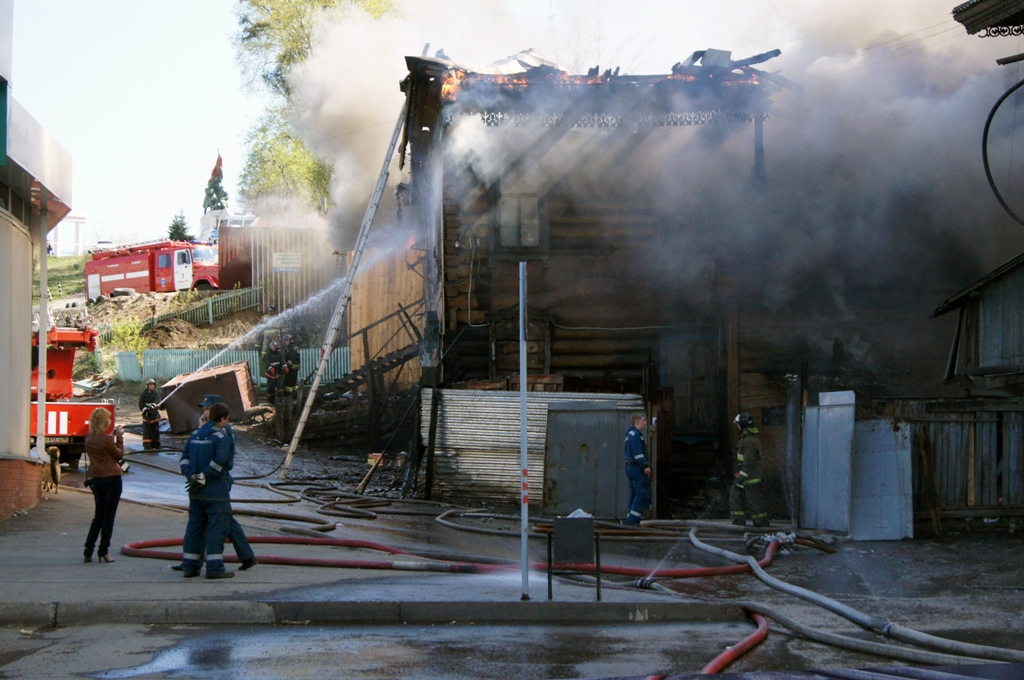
<point x="575" y="175"/>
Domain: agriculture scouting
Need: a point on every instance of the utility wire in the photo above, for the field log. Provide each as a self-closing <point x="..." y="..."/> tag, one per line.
<point x="886" y="46"/>
<point x="873" y="62"/>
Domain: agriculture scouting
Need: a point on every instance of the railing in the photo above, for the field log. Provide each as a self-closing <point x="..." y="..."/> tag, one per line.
<point x="164" y="364"/>
<point x="205" y="312"/>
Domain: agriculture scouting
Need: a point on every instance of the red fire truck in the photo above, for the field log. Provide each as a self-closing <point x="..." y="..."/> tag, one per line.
<point x="67" y="422"/>
<point x="160" y="266"/>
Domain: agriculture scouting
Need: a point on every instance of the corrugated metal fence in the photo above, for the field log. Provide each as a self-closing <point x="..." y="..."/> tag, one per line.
<point x="476" y="454"/>
<point x="289" y="264"/>
<point x="164" y="364"/>
<point x="965" y="460"/>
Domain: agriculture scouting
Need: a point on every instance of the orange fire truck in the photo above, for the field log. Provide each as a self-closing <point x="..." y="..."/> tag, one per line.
<point x="67" y="421"/>
<point x="159" y="266"/>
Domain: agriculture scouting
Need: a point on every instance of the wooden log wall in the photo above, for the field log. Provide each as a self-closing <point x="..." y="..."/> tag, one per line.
<point x="384" y="281"/>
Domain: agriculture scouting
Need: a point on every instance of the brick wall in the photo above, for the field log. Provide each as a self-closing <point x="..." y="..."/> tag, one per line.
<point x="20" y="486"/>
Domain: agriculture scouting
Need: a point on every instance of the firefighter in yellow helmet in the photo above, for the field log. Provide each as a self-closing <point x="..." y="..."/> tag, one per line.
<point x="746" y="498"/>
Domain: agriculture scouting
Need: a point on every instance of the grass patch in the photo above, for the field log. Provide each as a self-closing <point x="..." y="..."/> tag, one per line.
<point x="125" y="336"/>
<point x="64" y="275"/>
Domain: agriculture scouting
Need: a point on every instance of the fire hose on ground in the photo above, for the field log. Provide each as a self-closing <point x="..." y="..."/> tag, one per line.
<point x="466" y="565"/>
<point x="340" y="503"/>
<point x="963" y="650"/>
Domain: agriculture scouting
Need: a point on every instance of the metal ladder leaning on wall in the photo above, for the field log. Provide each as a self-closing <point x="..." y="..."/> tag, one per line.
<point x="346" y="293"/>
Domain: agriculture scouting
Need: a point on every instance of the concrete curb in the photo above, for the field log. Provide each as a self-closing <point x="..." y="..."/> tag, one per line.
<point x="246" y="612"/>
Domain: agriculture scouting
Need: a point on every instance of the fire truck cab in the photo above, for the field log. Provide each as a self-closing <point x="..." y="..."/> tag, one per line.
<point x="162" y="266"/>
<point x="67" y="421"/>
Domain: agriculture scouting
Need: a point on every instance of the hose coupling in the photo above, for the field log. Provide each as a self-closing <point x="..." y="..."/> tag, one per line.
<point x="646" y="583"/>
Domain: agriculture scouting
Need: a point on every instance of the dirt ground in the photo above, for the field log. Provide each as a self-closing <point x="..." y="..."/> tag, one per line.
<point x="174" y="333"/>
<point x="140" y="306"/>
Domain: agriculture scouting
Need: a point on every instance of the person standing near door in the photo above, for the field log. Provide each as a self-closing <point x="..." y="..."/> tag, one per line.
<point x="638" y="470"/>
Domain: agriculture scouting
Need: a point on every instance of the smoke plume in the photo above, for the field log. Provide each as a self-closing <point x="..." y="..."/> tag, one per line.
<point x="874" y="178"/>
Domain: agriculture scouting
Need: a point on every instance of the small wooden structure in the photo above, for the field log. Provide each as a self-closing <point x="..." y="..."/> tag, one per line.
<point x="232" y="382"/>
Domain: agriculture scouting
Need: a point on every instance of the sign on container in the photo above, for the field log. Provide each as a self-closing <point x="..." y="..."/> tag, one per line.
<point x="285" y="263"/>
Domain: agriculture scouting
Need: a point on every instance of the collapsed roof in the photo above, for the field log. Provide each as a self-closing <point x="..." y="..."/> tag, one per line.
<point x="708" y="87"/>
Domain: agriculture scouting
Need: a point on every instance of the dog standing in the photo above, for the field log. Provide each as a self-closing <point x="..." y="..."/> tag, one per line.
<point x="51" y="470"/>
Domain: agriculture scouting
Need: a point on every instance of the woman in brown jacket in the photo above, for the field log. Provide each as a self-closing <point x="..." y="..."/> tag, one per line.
<point x="104" y="477"/>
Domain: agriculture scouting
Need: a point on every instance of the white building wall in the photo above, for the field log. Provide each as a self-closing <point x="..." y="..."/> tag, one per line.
<point x="15" y="336"/>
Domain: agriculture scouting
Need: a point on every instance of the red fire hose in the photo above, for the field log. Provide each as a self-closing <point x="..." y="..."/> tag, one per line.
<point x="740" y="648"/>
<point x="144" y="549"/>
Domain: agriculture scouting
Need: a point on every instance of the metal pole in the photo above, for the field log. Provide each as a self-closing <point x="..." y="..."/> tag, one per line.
<point x="550" y="535"/>
<point x="43" y="332"/>
<point x="524" y="520"/>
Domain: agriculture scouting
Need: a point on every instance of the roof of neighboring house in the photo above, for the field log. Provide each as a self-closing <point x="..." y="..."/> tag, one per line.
<point x="990" y="16"/>
<point x="957" y="301"/>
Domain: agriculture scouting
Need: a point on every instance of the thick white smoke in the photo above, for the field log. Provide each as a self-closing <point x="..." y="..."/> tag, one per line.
<point x="874" y="168"/>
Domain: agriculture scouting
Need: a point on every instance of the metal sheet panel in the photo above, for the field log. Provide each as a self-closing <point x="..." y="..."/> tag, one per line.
<point x="477" y="449"/>
<point x="881" y="498"/>
<point x="1001" y="321"/>
<point x="128" y="368"/>
<point x="583" y="468"/>
<point x="825" y="479"/>
<point x="35" y="150"/>
<point x="247" y="258"/>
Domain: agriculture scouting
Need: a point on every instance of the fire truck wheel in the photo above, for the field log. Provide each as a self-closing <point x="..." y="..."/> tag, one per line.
<point x="123" y="292"/>
<point x="204" y="285"/>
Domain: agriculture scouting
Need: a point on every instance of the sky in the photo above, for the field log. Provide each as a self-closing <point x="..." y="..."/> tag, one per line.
<point x="144" y="94"/>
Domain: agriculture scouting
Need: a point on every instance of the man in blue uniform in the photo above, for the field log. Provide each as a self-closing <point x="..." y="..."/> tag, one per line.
<point x="235" y="532"/>
<point x="638" y="470"/>
<point x="206" y="463"/>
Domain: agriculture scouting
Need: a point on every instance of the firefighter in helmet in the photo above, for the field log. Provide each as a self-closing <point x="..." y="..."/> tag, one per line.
<point x="746" y="498"/>
<point x="291" y="366"/>
<point x="149" y="404"/>
<point x="274" y="360"/>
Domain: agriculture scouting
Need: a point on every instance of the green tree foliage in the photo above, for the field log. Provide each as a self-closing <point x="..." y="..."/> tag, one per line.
<point x="178" y="230"/>
<point x="274" y="36"/>
<point x="280" y="163"/>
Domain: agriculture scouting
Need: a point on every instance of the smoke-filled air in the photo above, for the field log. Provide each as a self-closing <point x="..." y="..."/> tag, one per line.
<point x="872" y="144"/>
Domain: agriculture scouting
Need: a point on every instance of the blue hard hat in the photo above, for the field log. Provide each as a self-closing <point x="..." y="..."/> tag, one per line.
<point x="210" y="400"/>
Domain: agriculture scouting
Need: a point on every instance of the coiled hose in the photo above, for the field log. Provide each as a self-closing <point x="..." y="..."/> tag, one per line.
<point x="871" y="623"/>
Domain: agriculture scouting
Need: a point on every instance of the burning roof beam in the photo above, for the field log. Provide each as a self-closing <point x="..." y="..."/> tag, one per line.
<point x="718" y="90"/>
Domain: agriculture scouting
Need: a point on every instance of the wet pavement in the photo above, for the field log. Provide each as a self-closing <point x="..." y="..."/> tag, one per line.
<point x="440" y="651"/>
<point x="966" y="586"/>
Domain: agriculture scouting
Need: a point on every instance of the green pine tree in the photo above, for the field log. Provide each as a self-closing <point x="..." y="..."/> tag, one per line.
<point x="178" y="231"/>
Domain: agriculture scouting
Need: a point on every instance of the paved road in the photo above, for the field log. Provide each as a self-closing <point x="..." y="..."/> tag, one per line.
<point x="105" y="651"/>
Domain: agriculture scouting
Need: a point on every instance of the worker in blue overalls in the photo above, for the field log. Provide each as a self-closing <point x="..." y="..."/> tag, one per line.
<point x="638" y="470"/>
<point x="206" y="463"/>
